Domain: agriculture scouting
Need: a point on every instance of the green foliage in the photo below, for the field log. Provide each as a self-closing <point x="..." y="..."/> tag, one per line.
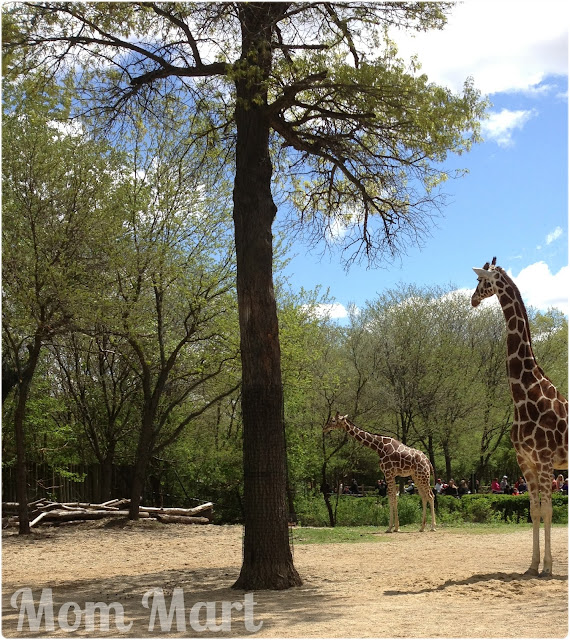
<point x="374" y="511"/>
<point x="353" y="511"/>
<point x="127" y="240"/>
<point x="328" y="535"/>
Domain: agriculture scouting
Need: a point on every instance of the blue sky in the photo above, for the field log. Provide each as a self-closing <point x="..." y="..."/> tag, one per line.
<point x="513" y="203"/>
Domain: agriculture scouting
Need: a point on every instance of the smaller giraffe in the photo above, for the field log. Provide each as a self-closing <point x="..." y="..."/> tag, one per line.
<point x="396" y="459"/>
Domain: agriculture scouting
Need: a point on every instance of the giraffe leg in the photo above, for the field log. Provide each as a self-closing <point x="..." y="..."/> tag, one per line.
<point x="432" y="507"/>
<point x="424" y="508"/>
<point x="396" y="519"/>
<point x="545" y="481"/>
<point x="535" y="517"/>
<point x="546" y="512"/>
<point x="530" y="476"/>
<point x="427" y="496"/>
<point x="393" y="523"/>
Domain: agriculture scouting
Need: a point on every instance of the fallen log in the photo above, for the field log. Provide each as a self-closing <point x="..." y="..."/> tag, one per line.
<point x="50" y="512"/>
<point x="85" y="514"/>
<point x="166" y="519"/>
<point x="10" y="507"/>
<point x="112" y="503"/>
<point x="178" y="511"/>
<point x="34" y="503"/>
<point x="39" y="518"/>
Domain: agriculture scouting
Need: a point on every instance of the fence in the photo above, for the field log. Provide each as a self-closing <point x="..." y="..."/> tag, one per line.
<point x="75" y="483"/>
<point x="85" y="483"/>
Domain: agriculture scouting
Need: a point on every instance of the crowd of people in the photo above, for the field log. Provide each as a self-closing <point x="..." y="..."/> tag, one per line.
<point x="450" y="488"/>
<point x="559" y="485"/>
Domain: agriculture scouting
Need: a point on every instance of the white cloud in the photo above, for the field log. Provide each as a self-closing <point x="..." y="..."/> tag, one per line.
<point x="72" y="128"/>
<point x="505" y="46"/>
<point x="334" y="311"/>
<point x="539" y="287"/>
<point x="551" y="237"/>
<point x="339" y="223"/>
<point x="500" y="125"/>
<point x="542" y="289"/>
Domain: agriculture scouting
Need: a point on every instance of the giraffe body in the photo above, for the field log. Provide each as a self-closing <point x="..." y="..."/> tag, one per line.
<point x="395" y="459"/>
<point x="540" y="426"/>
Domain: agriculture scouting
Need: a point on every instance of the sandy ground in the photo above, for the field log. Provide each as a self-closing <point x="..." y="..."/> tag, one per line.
<point x="410" y="584"/>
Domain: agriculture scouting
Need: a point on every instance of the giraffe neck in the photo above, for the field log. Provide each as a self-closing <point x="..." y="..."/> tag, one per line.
<point x="519" y="345"/>
<point x="367" y="439"/>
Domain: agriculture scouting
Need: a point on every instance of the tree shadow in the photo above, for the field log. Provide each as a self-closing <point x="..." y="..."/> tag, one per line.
<point x="476" y="579"/>
<point x="211" y="587"/>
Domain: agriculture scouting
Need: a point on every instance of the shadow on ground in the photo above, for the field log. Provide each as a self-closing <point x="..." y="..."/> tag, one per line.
<point x="204" y="593"/>
<point x="479" y="578"/>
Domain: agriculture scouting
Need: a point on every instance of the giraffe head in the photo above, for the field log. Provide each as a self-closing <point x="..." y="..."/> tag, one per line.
<point x="487" y="277"/>
<point x="338" y="422"/>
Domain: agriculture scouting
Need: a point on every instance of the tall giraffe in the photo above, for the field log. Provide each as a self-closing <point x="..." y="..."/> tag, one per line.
<point x="396" y="459"/>
<point x="540" y="426"/>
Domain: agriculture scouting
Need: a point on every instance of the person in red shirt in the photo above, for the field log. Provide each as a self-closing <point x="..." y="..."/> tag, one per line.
<point x="495" y="486"/>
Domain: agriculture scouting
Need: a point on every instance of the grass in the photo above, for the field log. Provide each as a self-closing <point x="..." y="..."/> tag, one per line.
<point x="328" y="535"/>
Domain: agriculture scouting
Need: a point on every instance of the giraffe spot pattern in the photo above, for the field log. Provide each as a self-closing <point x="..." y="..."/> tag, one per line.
<point x="395" y="459"/>
<point x="518" y="393"/>
<point x="540" y="427"/>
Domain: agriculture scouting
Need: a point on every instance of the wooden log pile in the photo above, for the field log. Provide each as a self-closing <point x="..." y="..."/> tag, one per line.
<point x="47" y="512"/>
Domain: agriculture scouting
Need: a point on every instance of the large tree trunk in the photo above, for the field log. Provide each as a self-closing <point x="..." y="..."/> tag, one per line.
<point x="21" y="472"/>
<point x="25" y="382"/>
<point x="267" y="558"/>
<point x="142" y="460"/>
<point x="447" y="458"/>
<point x="106" y="487"/>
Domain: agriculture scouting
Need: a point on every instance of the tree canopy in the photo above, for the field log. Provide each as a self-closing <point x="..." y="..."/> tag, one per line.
<point x="314" y="90"/>
<point x="360" y="136"/>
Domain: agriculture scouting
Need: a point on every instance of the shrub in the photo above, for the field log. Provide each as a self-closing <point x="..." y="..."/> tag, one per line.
<point x="560" y="514"/>
<point x="478" y="509"/>
<point x="374" y="511"/>
<point x="354" y="512"/>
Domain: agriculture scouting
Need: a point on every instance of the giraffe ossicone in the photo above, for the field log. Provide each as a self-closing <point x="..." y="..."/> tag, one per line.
<point x="395" y="459"/>
<point x="540" y="426"/>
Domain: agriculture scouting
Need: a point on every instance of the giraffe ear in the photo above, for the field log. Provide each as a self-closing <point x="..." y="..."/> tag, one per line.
<point x="345" y="417"/>
<point x="482" y="273"/>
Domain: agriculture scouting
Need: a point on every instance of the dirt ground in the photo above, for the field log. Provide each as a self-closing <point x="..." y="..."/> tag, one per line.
<point x="434" y="584"/>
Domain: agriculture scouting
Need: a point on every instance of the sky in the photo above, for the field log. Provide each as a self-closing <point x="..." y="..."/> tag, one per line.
<point x="513" y="203"/>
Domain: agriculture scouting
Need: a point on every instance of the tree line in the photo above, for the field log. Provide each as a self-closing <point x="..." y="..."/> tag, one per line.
<point x="206" y="115"/>
<point x="119" y="320"/>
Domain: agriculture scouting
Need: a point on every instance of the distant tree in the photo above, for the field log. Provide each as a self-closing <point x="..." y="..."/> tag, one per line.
<point x="57" y="187"/>
<point x="361" y="137"/>
<point x="97" y="385"/>
<point x="492" y="411"/>
<point x="549" y="331"/>
<point x="171" y="287"/>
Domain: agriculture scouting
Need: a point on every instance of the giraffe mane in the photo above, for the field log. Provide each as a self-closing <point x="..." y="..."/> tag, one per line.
<point x="523" y="311"/>
<point x="349" y="421"/>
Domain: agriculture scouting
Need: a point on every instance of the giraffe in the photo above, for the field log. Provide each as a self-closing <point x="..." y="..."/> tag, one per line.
<point x="540" y="426"/>
<point x="396" y="459"/>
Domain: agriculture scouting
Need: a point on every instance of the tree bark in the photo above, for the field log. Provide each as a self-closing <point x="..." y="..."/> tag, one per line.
<point x="267" y="558"/>
<point x="142" y="459"/>
<point x="106" y="487"/>
<point x="25" y="382"/>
